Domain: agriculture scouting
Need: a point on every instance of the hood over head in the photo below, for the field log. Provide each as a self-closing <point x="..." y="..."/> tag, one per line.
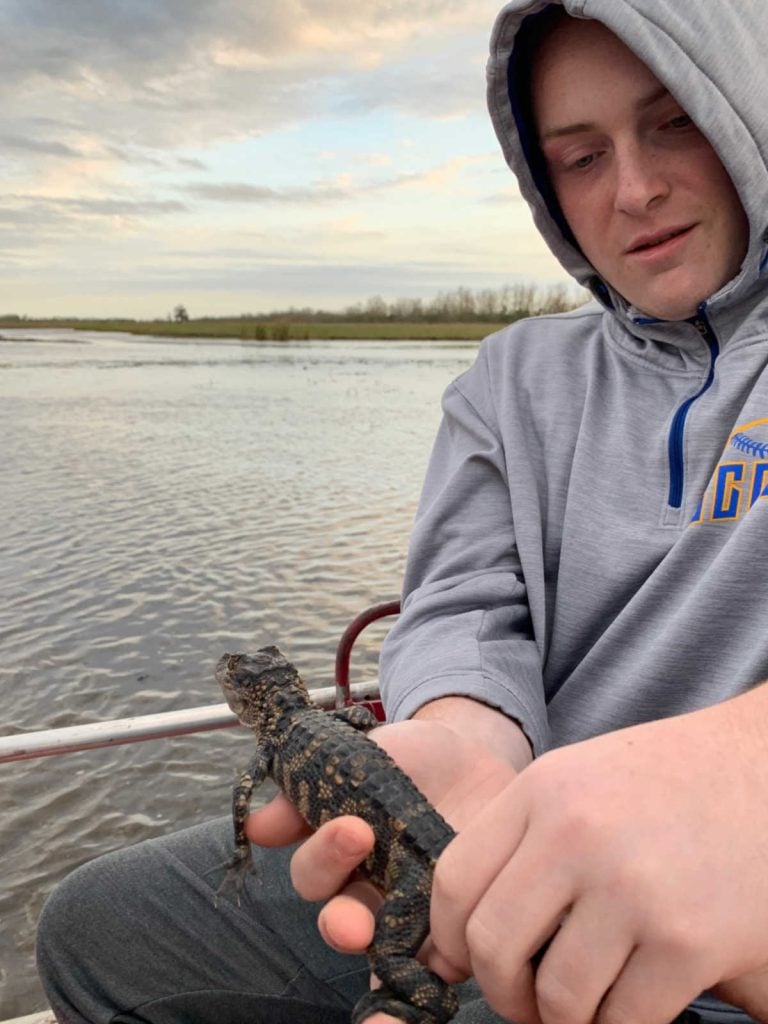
<point x="711" y="57"/>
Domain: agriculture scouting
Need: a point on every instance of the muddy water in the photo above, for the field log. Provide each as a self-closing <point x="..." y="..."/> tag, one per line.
<point x="162" y="502"/>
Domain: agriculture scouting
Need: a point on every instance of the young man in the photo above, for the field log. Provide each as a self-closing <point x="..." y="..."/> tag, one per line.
<point x="573" y="680"/>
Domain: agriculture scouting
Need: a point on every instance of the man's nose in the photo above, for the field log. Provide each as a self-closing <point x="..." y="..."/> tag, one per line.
<point x="640" y="179"/>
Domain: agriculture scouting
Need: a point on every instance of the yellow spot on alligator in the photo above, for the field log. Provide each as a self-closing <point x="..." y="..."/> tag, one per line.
<point x="304" y="798"/>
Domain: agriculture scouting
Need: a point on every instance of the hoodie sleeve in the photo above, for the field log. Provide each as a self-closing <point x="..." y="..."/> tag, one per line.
<point x="465" y="627"/>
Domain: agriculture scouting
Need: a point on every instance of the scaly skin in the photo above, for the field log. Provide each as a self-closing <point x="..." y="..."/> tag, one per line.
<point x="328" y="767"/>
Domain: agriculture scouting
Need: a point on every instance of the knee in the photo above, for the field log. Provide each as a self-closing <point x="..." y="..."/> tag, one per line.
<point x="58" y="922"/>
<point x="70" y="916"/>
<point x="56" y="946"/>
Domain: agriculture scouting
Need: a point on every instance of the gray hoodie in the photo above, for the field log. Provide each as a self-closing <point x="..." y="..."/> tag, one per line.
<point x="591" y="546"/>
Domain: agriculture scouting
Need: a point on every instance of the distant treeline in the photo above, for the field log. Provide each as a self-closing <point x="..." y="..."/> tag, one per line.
<point x="458" y="314"/>
<point x="463" y="305"/>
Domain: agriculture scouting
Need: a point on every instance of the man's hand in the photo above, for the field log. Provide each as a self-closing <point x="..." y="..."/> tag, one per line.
<point x="750" y="992"/>
<point x="640" y="856"/>
<point x="458" y="775"/>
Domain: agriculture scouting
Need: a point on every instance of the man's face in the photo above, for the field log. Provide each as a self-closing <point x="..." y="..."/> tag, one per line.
<point x="644" y="193"/>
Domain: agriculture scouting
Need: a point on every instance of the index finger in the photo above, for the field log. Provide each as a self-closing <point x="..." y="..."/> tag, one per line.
<point x="277" y="823"/>
<point x="322" y="866"/>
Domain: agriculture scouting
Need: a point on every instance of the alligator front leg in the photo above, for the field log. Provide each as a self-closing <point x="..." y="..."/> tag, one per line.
<point x="358" y="716"/>
<point x="242" y="859"/>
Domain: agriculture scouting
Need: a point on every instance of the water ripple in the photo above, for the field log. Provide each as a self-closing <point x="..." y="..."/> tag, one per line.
<point x="162" y="503"/>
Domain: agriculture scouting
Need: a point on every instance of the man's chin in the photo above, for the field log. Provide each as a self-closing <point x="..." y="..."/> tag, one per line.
<point x="664" y="304"/>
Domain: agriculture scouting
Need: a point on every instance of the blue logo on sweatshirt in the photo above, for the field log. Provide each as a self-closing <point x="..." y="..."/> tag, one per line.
<point x="741" y="476"/>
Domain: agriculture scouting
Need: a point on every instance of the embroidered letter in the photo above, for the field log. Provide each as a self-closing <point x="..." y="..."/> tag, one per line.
<point x="728" y="491"/>
<point x="759" y="482"/>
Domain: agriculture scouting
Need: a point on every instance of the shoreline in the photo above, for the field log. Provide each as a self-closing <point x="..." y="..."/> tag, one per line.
<point x="274" y="330"/>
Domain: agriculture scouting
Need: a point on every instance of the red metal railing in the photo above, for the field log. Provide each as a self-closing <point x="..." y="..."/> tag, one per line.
<point x="344" y="696"/>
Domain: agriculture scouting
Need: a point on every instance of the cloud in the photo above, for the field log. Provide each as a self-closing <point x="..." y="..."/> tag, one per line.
<point x="130" y="156"/>
<point x="443" y="178"/>
<point x="322" y="283"/>
<point x="31" y="221"/>
<point x="243" y="192"/>
<point x="121" y="207"/>
<point x="29" y="145"/>
<point x="191" y="163"/>
<point x="167" y="73"/>
<point x="145" y="140"/>
<point x="506" y="197"/>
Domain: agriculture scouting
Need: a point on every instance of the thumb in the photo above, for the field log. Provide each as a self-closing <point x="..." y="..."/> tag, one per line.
<point x="749" y="992"/>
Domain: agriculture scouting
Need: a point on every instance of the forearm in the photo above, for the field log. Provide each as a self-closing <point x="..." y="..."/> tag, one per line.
<point x="745" y="717"/>
<point x="499" y="734"/>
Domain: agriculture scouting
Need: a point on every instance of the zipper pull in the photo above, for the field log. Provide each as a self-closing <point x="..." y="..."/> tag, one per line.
<point x="701" y="322"/>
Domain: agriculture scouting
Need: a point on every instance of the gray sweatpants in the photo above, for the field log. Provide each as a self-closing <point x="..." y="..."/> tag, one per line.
<point x="138" y="936"/>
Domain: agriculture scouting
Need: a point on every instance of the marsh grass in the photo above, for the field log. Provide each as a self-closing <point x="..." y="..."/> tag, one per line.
<point x="246" y="329"/>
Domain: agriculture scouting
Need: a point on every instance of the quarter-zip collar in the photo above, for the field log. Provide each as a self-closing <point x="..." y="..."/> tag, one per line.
<point x="738" y="315"/>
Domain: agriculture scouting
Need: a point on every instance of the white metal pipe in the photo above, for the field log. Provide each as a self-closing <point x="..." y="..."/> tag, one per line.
<point x="49" y="742"/>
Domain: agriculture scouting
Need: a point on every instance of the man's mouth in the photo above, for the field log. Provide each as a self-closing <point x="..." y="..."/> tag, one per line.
<point x="652" y="241"/>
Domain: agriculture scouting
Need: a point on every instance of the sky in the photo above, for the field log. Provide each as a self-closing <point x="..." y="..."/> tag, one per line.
<point x="241" y="156"/>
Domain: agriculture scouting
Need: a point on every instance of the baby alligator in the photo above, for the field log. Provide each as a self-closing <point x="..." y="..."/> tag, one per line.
<point x="328" y="767"/>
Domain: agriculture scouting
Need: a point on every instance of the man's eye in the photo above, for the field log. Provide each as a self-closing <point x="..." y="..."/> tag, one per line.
<point x="681" y="121"/>
<point x="582" y="162"/>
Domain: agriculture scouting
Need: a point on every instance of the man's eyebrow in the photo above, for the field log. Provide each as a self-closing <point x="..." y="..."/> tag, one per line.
<point x="659" y="93"/>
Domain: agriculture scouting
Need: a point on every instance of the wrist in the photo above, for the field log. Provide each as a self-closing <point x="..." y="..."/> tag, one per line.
<point x="741" y="724"/>
<point x="499" y="735"/>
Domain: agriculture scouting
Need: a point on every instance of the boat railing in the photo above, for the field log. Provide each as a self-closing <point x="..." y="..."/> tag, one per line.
<point x="90" y="736"/>
<point x="51" y="742"/>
